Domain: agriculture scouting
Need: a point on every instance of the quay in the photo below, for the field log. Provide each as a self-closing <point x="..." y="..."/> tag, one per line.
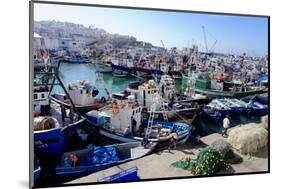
<point x="158" y="165"/>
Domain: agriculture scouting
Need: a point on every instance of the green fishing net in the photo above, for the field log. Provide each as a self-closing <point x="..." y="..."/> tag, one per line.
<point x="208" y="162"/>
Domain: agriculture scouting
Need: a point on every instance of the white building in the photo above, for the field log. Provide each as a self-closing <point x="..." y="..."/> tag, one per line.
<point x="38" y="42"/>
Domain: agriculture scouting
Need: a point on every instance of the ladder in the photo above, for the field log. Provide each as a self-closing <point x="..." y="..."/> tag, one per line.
<point x="150" y="121"/>
<point x="163" y="108"/>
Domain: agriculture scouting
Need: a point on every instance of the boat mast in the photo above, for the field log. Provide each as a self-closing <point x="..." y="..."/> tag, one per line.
<point x="56" y="77"/>
<point x="205" y="39"/>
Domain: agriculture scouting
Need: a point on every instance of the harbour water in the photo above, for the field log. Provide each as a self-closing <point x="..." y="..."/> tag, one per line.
<point x="73" y="72"/>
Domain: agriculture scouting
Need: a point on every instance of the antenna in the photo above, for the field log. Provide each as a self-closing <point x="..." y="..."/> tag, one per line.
<point x="205" y="38"/>
<point x="162" y="43"/>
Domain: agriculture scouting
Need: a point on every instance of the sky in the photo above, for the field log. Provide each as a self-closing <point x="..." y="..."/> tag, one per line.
<point x="234" y="34"/>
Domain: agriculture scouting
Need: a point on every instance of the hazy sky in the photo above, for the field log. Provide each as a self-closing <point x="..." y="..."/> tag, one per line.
<point x="235" y="34"/>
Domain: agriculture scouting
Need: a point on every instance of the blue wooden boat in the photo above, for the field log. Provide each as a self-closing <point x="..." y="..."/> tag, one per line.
<point x="183" y="132"/>
<point x="97" y="158"/>
<point x="36" y="169"/>
<point x="102" y="122"/>
<point x="130" y="174"/>
<point x="235" y="108"/>
<point x="212" y="114"/>
<point x="244" y="107"/>
<point x="216" y="110"/>
<point x="53" y="140"/>
<point x="257" y="108"/>
<point x="36" y="174"/>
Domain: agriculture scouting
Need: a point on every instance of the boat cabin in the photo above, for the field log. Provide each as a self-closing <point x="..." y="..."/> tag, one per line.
<point x="167" y="87"/>
<point x="119" y="97"/>
<point x="146" y="94"/>
<point x="82" y="93"/>
<point x="118" y="117"/>
<point x="41" y="100"/>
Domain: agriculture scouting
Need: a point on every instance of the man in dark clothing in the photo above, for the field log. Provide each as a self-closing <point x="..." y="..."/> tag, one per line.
<point x="134" y="124"/>
<point x="63" y="113"/>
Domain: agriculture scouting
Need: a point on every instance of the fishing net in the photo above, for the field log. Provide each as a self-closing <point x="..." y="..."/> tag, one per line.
<point x="264" y="122"/>
<point x="224" y="148"/>
<point x="226" y="151"/>
<point x="44" y="123"/>
<point x="208" y="162"/>
<point x="248" y="139"/>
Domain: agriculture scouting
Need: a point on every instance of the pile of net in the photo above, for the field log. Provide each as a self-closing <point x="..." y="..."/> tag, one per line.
<point x="102" y="155"/>
<point x="223" y="147"/>
<point x="44" y="123"/>
<point x="226" y="151"/>
<point x="208" y="162"/>
<point x="248" y="139"/>
<point x="264" y="122"/>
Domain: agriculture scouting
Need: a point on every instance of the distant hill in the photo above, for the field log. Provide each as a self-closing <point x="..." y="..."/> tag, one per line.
<point x="59" y="30"/>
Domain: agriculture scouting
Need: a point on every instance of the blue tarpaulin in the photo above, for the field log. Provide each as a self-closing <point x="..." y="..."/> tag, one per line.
<point x="103" y="155"/>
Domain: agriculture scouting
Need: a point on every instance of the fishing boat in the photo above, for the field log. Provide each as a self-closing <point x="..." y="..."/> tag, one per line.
<point x="216" y="110"/>
<point x="176" y="71"/>
<point x="217" y="83"/>
<point x="256" y="107"/>
<point x="123" y="68"/>
<point x="50" y="137"/>
<point x="212" y="114"/>
<point x="50" y="131"/>
<point x="76" y="59"/>
<point x="199" y="99"/>
<point x="122" y="122"/>
<point x="97" y="158"/>
<point x="36" y="169"/>
<point x="234" y="106"/>
<point x="244" y="107"/>
<point x="162" y="95"/>
<point x="83" y="94"/>
<point x="130" y="174"/>
<point x="143" y="72"/>
<point x="120" y="71"/>
<point x="167" y="86"/>
<point x="221" y="89"/>
<point x="189" y="95"/>
<point x="261" y="98"/>
<point x="148" y="66"/>
<point x="104" y="66"/>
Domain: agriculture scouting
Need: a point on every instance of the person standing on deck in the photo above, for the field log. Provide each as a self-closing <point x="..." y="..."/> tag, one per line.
<point x="63" y="113"/>
<point x="172" y="142"/>
<point x="226" y="124"/>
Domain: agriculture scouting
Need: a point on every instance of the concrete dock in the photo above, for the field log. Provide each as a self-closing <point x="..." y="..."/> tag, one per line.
<point x="158" y="165"/>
